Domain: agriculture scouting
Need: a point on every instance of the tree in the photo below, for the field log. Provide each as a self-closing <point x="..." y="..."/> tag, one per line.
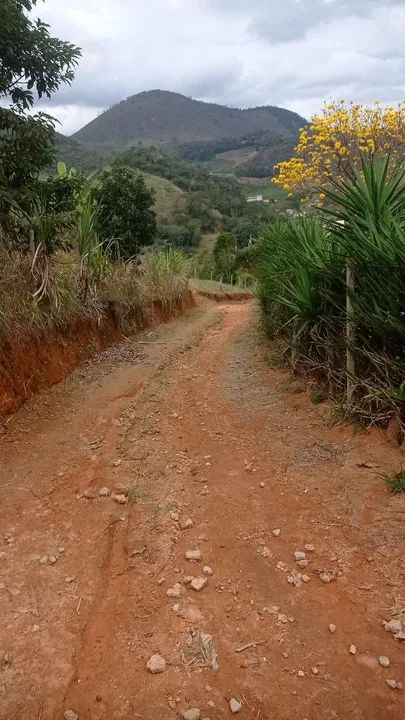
<point x="125" y="217"/>
<point x="335" y="142"/>
<point x="31" y="63"/>
<point x="30" y="57"/>
<point x="225" y="254"/>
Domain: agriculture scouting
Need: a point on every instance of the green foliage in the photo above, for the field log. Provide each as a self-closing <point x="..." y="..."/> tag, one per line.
<point x="30" y="61"/>
<point x="302" y="290"/>
<point x="125" y="218"/>
<point x="318" y="394"/>
<point x="396" y="482"/>
<point x="30" y="58"/>
<point x="224" y="255"/>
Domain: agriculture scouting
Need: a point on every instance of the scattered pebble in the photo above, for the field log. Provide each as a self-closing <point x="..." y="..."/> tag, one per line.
<point x="156" y="664"/>
<point x="70" y="715"/>
<point x="394" y="627"/>
<point x="176" y="608"/>
<point x="303" y="563"/>
<point x="384" y="661"/>
<point x="352" y="649"/>
<point x="301" y="673"/>
<point x="299" y="555"/>
<point x="61" y="550"/>
<point x="186" y="524"/>
<point x="174" y="515"/>
<point x="315" y="670"/>
<point x="235" y="705"/>
<point x="332" y="628"/>
<point x="44" y="560"/>
<point x="326" y="576"/>
<point x="174" y="591"/>
<point x="193" y="555"/>
<point x="191" y="714"/>
<point x="104" y="492"/>
<point x="198" y="583"/>
<point x="305" y="578"/>
<point x="276" y="532"/>
<point x="207" y="570"/>
<point x="394" y="684"/>
<point x="53" y="559"/>
<point x="69" y="579"/>
<point x="309" y="547"/>
<point x="120" y="499"/>
<point x="262" y="484"/>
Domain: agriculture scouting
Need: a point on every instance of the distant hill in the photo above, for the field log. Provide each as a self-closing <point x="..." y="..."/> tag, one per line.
<point x="165" y="118"/>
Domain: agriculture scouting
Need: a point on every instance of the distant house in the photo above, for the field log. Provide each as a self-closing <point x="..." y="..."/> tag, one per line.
<point x="254" y="198"/>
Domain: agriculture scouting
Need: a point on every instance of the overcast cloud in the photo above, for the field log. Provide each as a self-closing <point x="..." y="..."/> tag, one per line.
<point x="242" y="53"/>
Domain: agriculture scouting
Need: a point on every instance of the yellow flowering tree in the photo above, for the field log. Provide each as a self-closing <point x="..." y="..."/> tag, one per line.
<point x="335" y="141"/>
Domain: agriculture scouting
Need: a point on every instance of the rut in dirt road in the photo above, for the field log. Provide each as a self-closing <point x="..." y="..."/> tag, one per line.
<point x="198" y="446"/>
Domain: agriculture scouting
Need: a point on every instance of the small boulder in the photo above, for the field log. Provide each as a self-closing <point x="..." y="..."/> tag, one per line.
<point x="332" y="628"/>
<point x="384" y="661"/>
<point x="276" y="532"/>
<point x="352" y="649"/>
<point x="156" y="664"/>
<point x="207" y="570"/>
<point x="104" y="492"/>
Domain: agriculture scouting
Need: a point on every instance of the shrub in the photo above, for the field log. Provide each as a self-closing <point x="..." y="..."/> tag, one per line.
<point x="125" y="217"/>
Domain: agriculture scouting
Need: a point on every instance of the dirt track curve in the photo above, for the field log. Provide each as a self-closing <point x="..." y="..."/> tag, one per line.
<point x="189" y="423"/>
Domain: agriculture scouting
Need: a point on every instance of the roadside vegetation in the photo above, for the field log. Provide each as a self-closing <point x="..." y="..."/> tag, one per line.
<point x="70" y="246"/>
<point x="332" y="281"/>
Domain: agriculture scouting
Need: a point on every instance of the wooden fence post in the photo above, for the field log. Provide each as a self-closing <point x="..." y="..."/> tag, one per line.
<point x="350" y="330"/>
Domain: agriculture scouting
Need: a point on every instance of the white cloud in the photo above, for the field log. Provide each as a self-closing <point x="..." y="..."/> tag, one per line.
<point x="294" y="53"/>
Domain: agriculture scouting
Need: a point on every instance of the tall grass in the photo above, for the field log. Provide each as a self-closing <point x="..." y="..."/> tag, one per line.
<point x="303" y="288"/>
<point x="129" y="289"/>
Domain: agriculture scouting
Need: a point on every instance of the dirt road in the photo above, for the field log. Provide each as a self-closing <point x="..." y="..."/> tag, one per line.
<point x="189" y="423"/>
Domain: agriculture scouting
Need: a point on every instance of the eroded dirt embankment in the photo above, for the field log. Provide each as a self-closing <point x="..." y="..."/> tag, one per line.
<point x="30" y="364"/>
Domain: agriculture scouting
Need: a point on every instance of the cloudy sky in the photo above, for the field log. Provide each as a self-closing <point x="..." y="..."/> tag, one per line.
<point x="242" y="53"/>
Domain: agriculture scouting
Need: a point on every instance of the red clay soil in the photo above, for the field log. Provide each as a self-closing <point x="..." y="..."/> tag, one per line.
<point x="31" y="364"/>
<point x="189" y="423"/>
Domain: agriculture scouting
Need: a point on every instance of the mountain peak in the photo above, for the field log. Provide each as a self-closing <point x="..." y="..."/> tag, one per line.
<point x="163" y="117"/>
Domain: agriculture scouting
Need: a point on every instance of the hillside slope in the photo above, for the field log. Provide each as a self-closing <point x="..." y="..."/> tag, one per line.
<point x="158" y="116"/>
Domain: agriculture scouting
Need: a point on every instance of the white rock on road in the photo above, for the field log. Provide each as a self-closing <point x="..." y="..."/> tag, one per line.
<point x="235" y="705"/>
<point x="191" y="714"/>
<point x="120" y="499"/>
<point x="198" y="583"/>
<point x="193" y="555"/>
<point x="156" y="664"/>
<point x="70" y="715"/>
<point x="186" y="524"/>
